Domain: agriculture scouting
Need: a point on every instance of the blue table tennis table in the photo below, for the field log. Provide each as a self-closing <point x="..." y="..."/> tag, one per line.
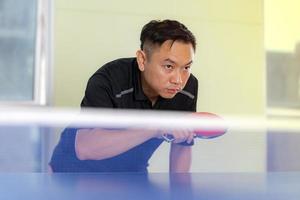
<point x="135" y="186"/>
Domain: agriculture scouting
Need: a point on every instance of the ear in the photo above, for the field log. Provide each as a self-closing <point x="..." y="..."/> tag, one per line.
<point x="141" y="59"/>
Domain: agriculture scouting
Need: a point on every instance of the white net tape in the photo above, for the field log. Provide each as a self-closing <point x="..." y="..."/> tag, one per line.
<point x="107" y="118"/>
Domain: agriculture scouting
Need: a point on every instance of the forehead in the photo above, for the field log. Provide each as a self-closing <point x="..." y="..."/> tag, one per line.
<point x="177" y="51"/>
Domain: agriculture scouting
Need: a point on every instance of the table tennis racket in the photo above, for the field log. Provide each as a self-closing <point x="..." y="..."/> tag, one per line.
<point x="205" y="132"/>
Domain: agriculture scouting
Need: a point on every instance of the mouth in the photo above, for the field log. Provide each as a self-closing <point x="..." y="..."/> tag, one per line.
<point x="173" y="90"/>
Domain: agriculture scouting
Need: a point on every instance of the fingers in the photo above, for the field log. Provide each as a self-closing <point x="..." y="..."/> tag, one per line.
<point x="190" y="138"/>
<point x="179" y="136"/>
<point x="182" y="136"/>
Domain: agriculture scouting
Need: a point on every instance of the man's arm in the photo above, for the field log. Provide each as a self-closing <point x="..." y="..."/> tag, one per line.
<point x="180" y="158"/>
<point x="98" y="144"/>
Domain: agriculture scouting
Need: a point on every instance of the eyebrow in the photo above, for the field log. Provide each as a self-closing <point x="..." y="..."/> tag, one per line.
<point x="173" y="62"/>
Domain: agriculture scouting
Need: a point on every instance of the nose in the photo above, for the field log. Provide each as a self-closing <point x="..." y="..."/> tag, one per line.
<point x="176" y="77"/>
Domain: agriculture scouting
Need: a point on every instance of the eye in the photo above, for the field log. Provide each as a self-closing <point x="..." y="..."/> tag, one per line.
<point x="187" y="68"/>
<point x="168" y="66"/>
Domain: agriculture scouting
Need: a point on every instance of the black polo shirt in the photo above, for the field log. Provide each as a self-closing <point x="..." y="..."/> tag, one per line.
<point x="118" y="85"/>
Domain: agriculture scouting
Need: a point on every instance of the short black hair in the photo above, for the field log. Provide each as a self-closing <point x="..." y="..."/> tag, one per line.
<point x="156" y="32"/>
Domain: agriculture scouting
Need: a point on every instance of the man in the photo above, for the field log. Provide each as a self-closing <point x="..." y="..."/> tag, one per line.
<point x="159" y="78"/>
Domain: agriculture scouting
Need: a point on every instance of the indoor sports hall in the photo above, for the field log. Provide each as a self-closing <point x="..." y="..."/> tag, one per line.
<point x="238" y="139"/>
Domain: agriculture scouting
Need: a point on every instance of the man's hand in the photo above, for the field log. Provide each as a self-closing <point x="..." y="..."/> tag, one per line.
<point x="177" y="136"/>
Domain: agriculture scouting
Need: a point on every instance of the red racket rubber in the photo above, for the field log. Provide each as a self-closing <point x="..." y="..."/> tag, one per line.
<point x="207" y="132"/>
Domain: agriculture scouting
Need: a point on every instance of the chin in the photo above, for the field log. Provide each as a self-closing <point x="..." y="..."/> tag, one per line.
<point x="168" y="96"/>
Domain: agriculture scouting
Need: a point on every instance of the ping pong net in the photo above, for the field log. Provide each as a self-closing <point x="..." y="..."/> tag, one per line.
<point x="30" y="134"/>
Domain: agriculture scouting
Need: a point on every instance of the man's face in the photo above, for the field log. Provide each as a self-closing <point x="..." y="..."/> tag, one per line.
<point x="166" y="71"/>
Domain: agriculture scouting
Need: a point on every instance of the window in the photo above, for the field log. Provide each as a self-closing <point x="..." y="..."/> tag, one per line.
<point x="283" y="78"/>
<point x="25" y="78"/>
<point x="282" y="43"/>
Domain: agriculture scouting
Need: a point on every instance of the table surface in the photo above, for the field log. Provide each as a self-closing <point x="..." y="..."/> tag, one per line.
<point x="134" y="186"/>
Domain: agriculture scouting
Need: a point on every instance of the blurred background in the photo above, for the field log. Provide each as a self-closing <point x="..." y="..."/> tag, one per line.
<point x="247" y="63"/>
